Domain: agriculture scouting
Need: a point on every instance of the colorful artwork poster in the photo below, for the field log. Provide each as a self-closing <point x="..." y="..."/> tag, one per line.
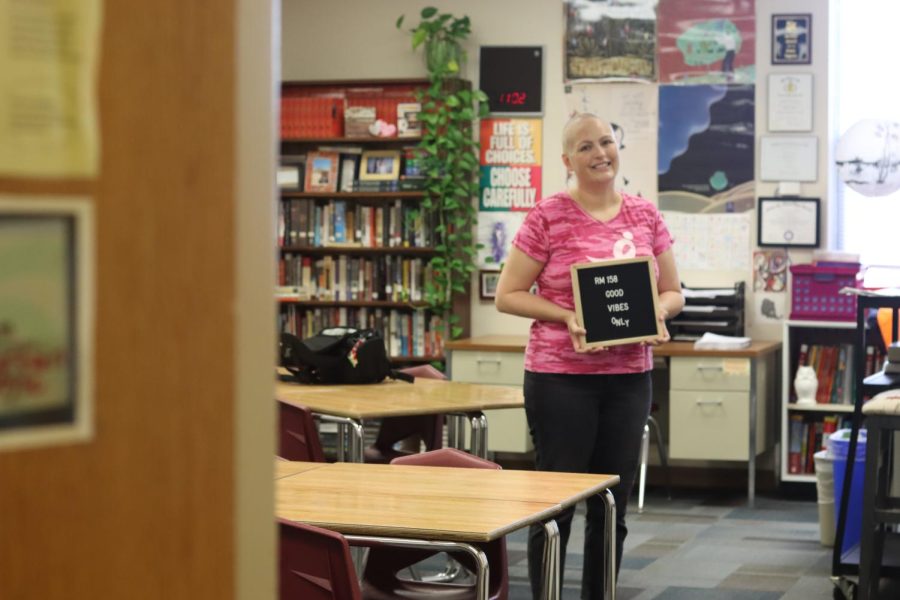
<point x="44" y="317"/>
<point x="707" y="41"/>
<point x="495" y="234"/>
<point x="633" y="114"/>
<point x="610" y="39"/>
<point x="706" y="148"/>
<point x="510" y="164"/>
<point x="770" y="270"/>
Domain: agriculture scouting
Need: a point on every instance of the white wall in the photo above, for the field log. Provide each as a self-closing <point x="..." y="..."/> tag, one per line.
<point x="356" y="39"/>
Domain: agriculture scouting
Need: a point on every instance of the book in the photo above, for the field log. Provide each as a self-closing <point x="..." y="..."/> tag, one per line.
<point x="321" y="171"/>
<point x="349" y="164"/>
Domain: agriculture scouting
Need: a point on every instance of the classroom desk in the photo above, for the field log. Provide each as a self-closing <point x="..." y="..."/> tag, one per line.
<point x="355" y="403"/>
<point x="715" y="408"/>
<point x="415" y="505"/>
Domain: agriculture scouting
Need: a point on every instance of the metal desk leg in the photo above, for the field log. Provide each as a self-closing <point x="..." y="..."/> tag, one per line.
<point x="751" y="463"/>
<point x="479" y="434"/>
<point x="609" y="536"/>
<point x="552" y="576"/>
<point x="356" y="439"/>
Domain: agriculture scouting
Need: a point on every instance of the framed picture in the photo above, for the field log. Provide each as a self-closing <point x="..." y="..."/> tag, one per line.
<point x="46" y="321"/>
<point x="321" y="172"/>
<point x="790" y="102"/>
<point x="487" y="284"/>
<point x="792" y="39"/>
<point x="788" y="158"/>
<point x="380" y="165"/>
<point x="788" y="222"/>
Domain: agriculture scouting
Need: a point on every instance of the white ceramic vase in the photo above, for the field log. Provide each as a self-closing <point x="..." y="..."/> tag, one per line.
<point x="806" y="384"/>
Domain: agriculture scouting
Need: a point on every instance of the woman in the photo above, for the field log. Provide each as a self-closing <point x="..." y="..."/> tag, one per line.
<point x="586" y="409"/>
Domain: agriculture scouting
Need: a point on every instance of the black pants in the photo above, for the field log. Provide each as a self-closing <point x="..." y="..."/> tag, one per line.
<point x="586" y="424"/>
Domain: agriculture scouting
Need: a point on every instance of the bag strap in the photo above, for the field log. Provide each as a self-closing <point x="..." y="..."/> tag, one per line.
<point x="395" y="374"/>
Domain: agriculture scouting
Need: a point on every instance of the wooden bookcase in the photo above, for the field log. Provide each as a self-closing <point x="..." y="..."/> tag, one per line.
<point x="354" y="256"/>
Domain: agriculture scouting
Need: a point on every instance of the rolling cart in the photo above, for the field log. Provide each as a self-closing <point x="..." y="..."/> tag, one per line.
<point x="845" y="565"/>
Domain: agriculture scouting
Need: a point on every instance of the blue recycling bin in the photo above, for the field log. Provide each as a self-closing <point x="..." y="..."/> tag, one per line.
<point x="838" y="447"/>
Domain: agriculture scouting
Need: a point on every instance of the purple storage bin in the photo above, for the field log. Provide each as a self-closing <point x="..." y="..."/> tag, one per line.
<point x="814" y="292"/>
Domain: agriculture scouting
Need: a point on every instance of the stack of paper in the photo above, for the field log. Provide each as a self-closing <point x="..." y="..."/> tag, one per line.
<point x="714" y="341"/>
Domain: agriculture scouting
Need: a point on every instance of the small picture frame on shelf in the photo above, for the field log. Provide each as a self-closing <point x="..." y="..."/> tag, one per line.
<point x="322" y="172"/>
<point x="357" y="120"/>
<point x="408" y="123"/>
<point x="380" y="165"/>
<point x="792" y="39"/>
<point x="487" y="284"/>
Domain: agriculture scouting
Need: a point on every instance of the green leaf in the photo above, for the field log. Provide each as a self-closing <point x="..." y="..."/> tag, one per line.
<point x="452" y="101"/>
<point x="480" y="96"/>
<point x="418" y="37"/>
<point x="428" y="12"/>
<point x="400" y="21"/>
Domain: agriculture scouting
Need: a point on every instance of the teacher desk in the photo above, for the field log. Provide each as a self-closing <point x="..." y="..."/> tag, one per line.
<point x="443" y="508"/>
<point x="719" y="400"/>
<point x="352" y="404"/>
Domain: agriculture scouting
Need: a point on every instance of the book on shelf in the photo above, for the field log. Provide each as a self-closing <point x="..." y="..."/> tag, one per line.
<point x="893" y="352"/>
<point x="891" y="368"/>
<point x="321" y="171"/>
<point x="349" y="166"/>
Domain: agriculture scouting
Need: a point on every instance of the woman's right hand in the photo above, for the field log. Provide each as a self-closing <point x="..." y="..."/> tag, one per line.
<point x="577" y="333"/>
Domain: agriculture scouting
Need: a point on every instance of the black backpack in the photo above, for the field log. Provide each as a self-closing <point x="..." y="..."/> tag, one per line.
<point x="338" y="355"/>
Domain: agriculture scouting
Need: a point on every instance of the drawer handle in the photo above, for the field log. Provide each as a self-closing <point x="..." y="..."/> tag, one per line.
<point x="709" y="402"/>
<point x="710" y="368"/>
<point x="495" y="361"/>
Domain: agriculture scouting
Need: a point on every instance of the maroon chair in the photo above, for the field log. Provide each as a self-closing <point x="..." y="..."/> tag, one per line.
<point x="314" y="564"/>
<point x="298" y="437"/>
<point x="380" y="579"/>
<point x="430" y="428"/>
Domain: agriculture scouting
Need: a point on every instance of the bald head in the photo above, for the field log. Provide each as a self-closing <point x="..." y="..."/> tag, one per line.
<point x="572" y="126"/>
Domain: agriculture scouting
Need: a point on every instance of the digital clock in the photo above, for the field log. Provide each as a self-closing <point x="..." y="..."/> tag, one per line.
<point x="512" y="78"/>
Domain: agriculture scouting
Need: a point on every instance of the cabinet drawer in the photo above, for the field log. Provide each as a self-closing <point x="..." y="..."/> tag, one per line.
<point x="708" y="425"/>
<point x="505" y="368"/>
<point x="709" y="373"/>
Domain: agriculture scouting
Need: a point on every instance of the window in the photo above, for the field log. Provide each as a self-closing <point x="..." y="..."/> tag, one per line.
<point x="863" y="51"/>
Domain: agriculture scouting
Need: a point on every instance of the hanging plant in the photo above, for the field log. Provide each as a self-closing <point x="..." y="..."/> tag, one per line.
<point x="450" y="158"/>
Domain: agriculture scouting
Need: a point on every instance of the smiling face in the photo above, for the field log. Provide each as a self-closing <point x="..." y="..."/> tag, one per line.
<point x="590" y="150"/>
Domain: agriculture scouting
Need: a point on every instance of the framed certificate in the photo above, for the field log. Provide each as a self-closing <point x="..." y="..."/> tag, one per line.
<point x="788" y="158"/>
<point x="790" y="102"/>
<point x="788" y="222"/>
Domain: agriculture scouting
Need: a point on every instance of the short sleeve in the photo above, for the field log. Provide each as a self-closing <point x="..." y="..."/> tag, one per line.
<point x="533" y="236"/>
<point x="662" y="239"/>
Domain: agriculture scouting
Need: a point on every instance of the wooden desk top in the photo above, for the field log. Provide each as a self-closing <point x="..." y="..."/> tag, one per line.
<point x="517" y="343"/>
<point x="398" y="398"/>
<point x="471" y="505"/>
<point x="286" y="468"/>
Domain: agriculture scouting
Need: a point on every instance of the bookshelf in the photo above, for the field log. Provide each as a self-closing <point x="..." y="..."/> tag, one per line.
<point x="354" y="244"/>
<point x="827" y="346"/>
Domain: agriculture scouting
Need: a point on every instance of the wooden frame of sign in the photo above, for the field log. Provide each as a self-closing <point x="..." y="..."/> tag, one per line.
<point x="621" y="301"/>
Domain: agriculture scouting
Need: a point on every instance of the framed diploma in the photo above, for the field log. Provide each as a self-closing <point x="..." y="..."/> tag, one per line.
<point x="788" y="158"/>
<point x="616" y="301"/>
<point x="790" y="102"/>
<point x="788" y="222"/>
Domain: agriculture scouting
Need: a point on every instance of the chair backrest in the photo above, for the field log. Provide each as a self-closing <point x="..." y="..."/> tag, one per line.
<point x="298" y="438"/>
<point x="446" y="457"/>
<point x="314" y="564"/>
<point x="423" y="371"/>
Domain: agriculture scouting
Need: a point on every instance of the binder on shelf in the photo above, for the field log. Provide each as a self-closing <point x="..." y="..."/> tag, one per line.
<point x="709" y="310"/>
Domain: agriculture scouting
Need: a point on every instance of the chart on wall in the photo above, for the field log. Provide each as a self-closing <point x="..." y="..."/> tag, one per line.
<point x="632" y="111"/>
<point x="608" y="40"/>
<point x="706" y="148"/>
<point x="706" y="41"/>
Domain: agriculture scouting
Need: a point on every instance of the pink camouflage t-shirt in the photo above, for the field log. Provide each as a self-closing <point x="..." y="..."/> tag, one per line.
<point x="559" y="233"/>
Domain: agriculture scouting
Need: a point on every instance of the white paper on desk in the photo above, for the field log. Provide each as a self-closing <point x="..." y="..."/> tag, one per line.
<point x="714" y="341"/>
<point x="689" y="293"/>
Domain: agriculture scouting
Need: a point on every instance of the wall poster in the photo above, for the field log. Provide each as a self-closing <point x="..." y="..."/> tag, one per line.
<point x="707" y="41"/>
<point x="633" y="113"/>
<point x="706" y="148"/>
<point x="605" y="41"/>
<point x="46" y="321"/>
<point x="510" y="182"/>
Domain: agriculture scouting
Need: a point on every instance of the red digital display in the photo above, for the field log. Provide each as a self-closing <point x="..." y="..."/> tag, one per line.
<point x="513" y="98"/>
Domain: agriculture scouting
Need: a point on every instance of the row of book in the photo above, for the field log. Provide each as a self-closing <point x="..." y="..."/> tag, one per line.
<point x="833" y="365"/>
<point x="350" y="278"/>
<point x="336" y="113"/>
<point x="312" y="116"/>
<point x="306" y="222"/>
<point x="414" y="333"/>
<point x="806" y="436"/>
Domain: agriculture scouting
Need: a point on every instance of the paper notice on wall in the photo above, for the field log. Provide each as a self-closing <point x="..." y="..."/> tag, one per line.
<point x="710" y="241"/>
<point x="48" y="88"/>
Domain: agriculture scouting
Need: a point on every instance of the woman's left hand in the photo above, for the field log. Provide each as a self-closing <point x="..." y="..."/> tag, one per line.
<point x="665" y="337"/>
